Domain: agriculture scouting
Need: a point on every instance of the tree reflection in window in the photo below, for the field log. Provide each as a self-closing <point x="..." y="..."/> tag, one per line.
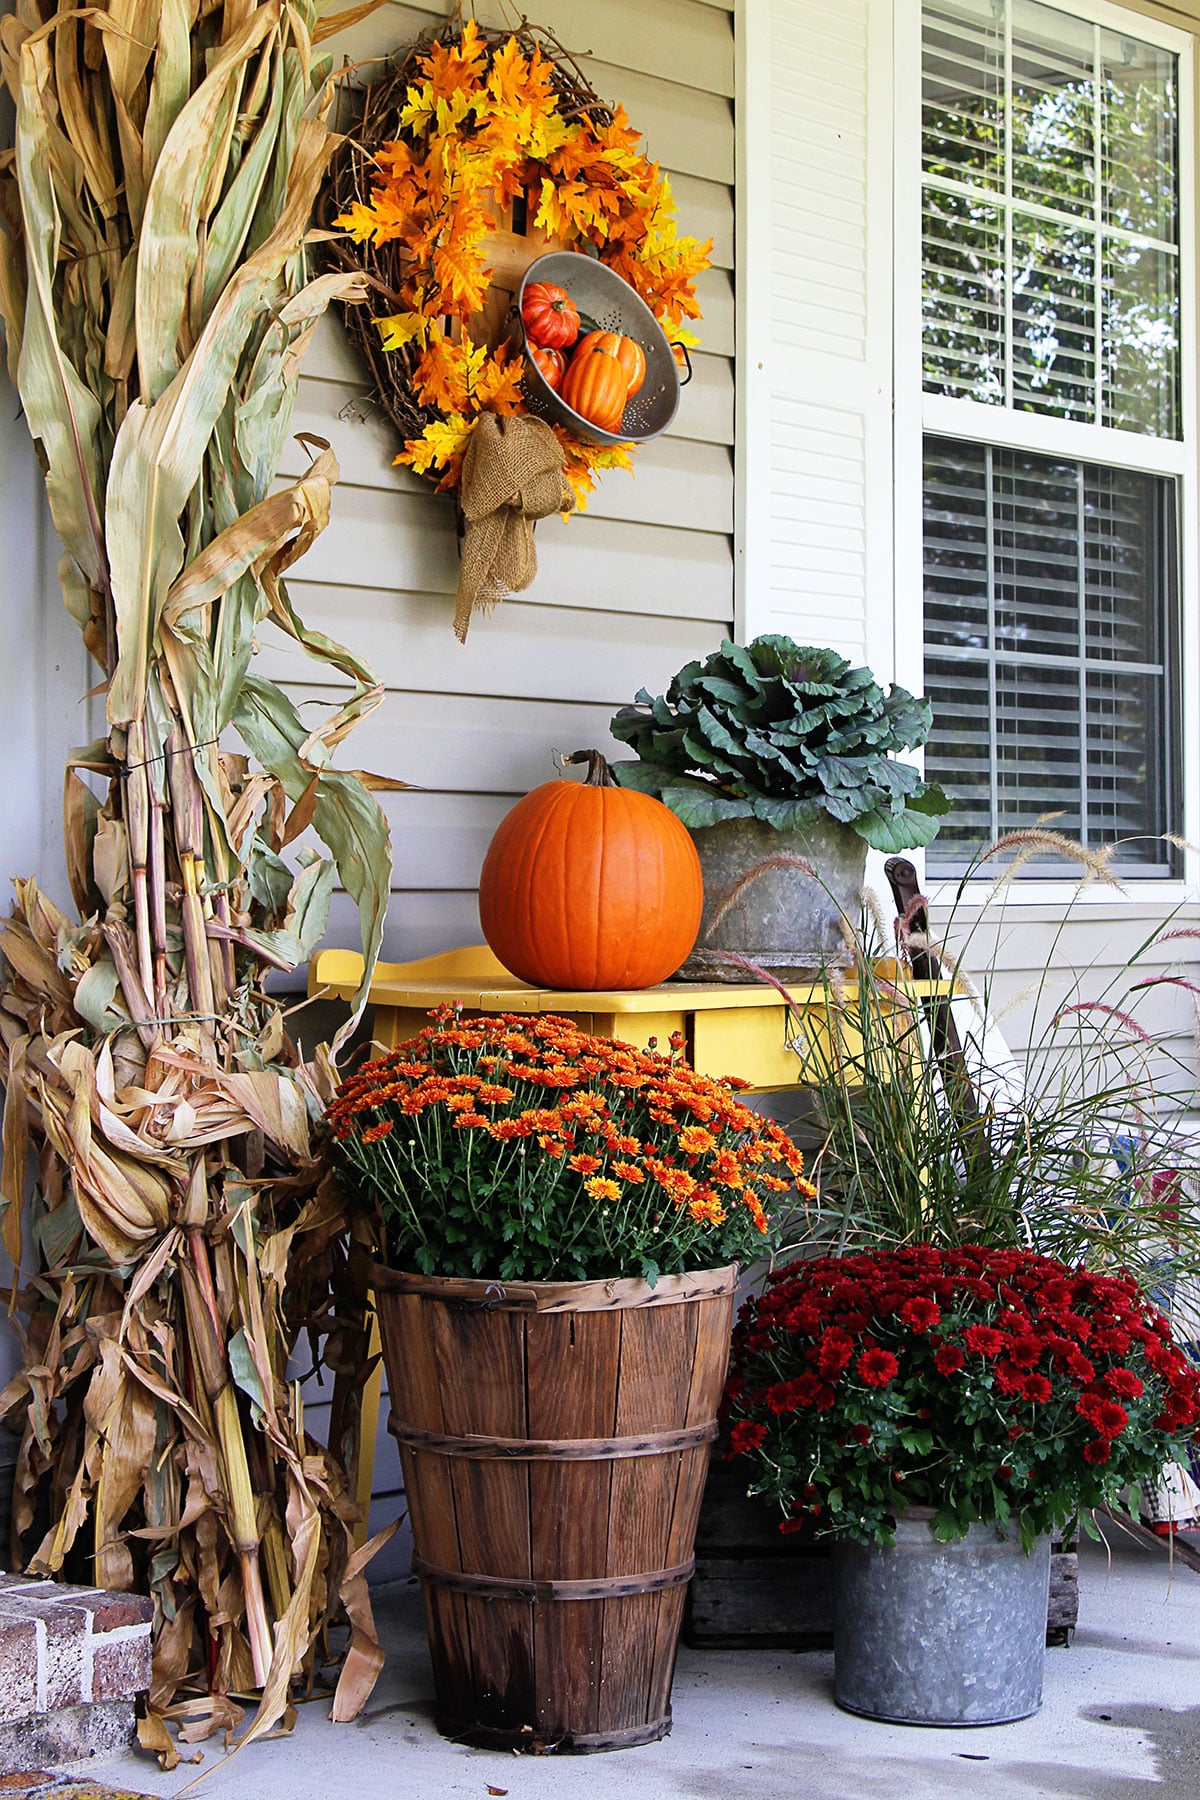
<point x="1050" y="244"/>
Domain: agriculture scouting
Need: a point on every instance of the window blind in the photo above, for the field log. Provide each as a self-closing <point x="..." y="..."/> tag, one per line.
<point x="1049" y="597"/>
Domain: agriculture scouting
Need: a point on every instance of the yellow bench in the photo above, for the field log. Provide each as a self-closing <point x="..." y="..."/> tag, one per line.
<point x="728" y="1028"/>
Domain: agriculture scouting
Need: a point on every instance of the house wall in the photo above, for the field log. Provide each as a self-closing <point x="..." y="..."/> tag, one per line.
<point x="625" y="594"/>
<point x="829" y="447"/>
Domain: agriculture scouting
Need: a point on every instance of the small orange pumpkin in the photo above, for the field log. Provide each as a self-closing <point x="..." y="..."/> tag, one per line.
<point x="552" y="364"/>
<point x="550" y="316"/>
<point x="596" y="386"/>
<point x="587" y="885"/>
<point x="627" y="350"/>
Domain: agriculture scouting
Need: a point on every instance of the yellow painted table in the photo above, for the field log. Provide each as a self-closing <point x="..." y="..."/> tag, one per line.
<point x="728" y="1029"/>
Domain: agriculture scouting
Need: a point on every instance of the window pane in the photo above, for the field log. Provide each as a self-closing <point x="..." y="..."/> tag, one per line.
<point x="963" y="92"/>
<point x="963" y="297"/>
<point x="1039" y="744"/>
<point x="956" y="546"/>
<point x="1050" y="242"/>
<point x="1053" y="109"/>
<point x="1124" y="554"/>
<point x="1037" y="553"/>
<point x="1125" y="754"/>
<point x="958" y="755"/>
<point x="1140" y="173"/>
<point x="1051" y="587"/>
<point x="1141" y="339"/>
<point x="1054" y="319"/>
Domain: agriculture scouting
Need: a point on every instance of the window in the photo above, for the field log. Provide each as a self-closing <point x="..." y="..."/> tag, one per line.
<point x="1048" y="589"/>
<point x="1051" y="362"/>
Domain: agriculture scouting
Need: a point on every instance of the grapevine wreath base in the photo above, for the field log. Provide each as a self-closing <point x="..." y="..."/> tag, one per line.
<point x="472" y="154"/>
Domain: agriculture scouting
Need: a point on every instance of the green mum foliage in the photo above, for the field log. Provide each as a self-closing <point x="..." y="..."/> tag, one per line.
<point x="780" y="732"/>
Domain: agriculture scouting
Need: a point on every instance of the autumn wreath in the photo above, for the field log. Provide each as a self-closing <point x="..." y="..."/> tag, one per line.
<point x="475" y="152"/>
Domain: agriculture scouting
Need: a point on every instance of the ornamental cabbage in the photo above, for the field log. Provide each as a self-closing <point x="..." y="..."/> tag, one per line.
<point x="775" y="731"/>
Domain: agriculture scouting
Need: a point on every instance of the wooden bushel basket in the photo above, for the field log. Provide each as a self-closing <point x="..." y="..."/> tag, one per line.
<point x="555" y="1442"/>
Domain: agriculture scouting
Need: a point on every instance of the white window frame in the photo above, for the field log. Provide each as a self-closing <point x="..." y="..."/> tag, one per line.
<point x="917" y="413"/>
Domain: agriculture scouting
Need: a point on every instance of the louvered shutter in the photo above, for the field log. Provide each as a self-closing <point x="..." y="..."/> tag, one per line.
<point x="815" y="350"/>
<point x="1048" y="595"/>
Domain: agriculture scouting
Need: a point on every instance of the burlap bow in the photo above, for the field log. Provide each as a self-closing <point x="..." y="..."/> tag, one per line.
<point x="512" y="474"/>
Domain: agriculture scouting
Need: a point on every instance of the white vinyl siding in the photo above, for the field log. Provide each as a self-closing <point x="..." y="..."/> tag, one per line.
<point x="626" y="593"/>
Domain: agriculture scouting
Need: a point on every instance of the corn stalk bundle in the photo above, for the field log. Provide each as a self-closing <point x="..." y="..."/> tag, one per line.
<point x="183" y="1230"/>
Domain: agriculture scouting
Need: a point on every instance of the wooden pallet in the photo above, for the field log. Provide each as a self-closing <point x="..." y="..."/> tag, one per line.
<point x="756" y="1589"/>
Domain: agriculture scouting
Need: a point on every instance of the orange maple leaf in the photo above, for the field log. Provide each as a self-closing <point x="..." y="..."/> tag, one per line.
<point x="442" y="376"/>
<point x="456" y="68"/>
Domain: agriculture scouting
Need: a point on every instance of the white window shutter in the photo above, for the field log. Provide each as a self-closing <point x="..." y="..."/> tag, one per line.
<point x="814" y="439"/>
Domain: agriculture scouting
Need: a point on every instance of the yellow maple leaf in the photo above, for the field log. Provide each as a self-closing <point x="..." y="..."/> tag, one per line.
<point x="449" y="113"/>
<point x="401" y="328"/>
<point x="508" y="76"/>
<point x="548" y="131"/>
<point x="458" y="264"/>
<point x="416" y="115"/>
<point x="398" y="159"/>
<point x="498" y="384"/>
<point x="359" y="222"/>
<point x="444" y="439"/>
<point x="445" y="374"/>
<point x="456" y="68"/>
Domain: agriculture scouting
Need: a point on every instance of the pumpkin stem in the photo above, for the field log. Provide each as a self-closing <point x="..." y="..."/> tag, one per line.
<point x="598" y="772"/>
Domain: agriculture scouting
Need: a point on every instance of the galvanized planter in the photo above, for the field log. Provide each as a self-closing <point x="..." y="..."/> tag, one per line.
<point x="940" y="1634"/>
<point x="759" y="904"/>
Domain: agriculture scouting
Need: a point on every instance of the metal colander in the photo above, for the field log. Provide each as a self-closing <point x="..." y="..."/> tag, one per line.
<point x="602" y="294"/>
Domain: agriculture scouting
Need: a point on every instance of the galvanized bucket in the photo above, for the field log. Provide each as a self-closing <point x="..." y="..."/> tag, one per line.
<point x="926" y="1633"/>
<point x="762" y="903"/>
<point x="608" y="300"/>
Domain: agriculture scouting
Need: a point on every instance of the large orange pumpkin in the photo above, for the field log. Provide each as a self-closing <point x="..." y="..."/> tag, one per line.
<point x="588" y="885"/>
<point x="596" y="386"/>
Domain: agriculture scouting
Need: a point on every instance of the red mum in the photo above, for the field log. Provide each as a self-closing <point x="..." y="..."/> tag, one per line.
<point x="747" y="1434"/>
<point x="948" y="1360"/>
<point x="1124" y="1383"/>
<point x="983" y="1340"/>
<point x="1097" y="1451"/>
<point x="921" y="1314"/>
<point x="1108" y="1418"/>
<point x="834" y="1352"/>
<point x="1025" y="1350"/>
<point x="877" y="1368"/>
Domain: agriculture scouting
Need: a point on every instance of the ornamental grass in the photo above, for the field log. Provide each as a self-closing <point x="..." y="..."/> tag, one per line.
<point x="523" y="1148"/>
<point x="930" y="1129"/>
<point x="984" y="1384"/>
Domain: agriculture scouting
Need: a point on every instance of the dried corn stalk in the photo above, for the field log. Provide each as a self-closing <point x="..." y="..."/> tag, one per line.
<point x="183" y="1232"/>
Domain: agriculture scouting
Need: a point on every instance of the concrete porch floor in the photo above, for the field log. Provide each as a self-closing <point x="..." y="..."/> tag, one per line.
<point x="1121" y="1719"/>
